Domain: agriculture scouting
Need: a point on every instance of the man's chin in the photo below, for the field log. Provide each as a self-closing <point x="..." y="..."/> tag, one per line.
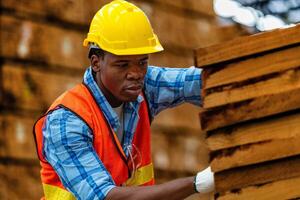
<point x="130" y="95"/>
<point x="130" y="99"/>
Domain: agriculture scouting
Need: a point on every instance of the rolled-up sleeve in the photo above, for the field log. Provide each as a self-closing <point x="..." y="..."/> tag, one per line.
<point x="169" y="87"/>
<point x="68" y="147"/>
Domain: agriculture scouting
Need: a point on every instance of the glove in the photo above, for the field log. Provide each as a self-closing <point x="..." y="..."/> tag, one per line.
<point x="204" y="181"/>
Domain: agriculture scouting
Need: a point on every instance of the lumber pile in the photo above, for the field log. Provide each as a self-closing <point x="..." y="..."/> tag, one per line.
<point x="41" y="56"/>
<point x="251" y="114"/>
<point x="195" y="18"/>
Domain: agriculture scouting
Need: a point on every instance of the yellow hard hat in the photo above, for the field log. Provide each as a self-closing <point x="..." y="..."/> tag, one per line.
<point x="122" y="28"/>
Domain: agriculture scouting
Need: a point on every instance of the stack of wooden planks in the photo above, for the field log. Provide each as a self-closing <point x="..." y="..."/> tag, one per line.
<point x="251" y="114"/>
<point x="41" y="56"/>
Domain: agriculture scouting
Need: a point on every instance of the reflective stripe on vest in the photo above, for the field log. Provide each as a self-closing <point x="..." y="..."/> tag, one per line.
<point x="141" y="176"/>
<point x="80" y="101"/>
<point x="56" y="193"/>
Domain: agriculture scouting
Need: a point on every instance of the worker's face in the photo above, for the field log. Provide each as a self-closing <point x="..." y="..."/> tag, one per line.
<point x="121" y="78"/>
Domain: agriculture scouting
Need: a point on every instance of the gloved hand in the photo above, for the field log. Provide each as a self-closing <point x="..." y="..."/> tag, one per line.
<point x="204" y="181"/>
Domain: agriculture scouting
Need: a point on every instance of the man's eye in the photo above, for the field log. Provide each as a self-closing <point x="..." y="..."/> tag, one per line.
<point x="123" y="65"/>
<point x="143" y="63"/>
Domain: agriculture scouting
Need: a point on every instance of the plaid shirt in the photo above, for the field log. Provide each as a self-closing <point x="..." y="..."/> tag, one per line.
<point x="68" y="142"/>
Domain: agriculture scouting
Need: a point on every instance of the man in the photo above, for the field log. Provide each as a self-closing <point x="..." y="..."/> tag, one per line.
<point x="94" y="141"/>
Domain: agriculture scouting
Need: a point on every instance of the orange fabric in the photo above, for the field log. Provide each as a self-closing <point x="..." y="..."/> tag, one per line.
<point x="80" y="101"/>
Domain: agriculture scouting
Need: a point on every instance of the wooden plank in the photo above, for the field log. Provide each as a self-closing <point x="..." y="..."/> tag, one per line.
<point x="185" y="115"/>
<point x="178" y="148"/>
<point x="200" y="7"/>
<point x="257" y="174"/>
<point x="79" y="12"/>
<point x="275" y="128"/>
<point x="24" y="39"/>
<point x="276" y="84"/>
<point x="29" y="88"/>
<point x="284" y="189"/>
<point x="163" y="22"/>
<point x="20" y="181"/>
<point x="253" y="67"/>
<point x="166" y="19"/>
<point x="183" y="153"/>
<point x="16" y="131"/>
<point x="254" y="153"/>
<point x="160" y="153"/>
<point x="72" y="11"/>
<point x="248" y="45"/>
<point x="250" y="109"/>
<point x="171" y="57"/>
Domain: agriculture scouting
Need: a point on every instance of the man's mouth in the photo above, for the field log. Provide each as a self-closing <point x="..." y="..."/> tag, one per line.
<point x="134" y="89"/>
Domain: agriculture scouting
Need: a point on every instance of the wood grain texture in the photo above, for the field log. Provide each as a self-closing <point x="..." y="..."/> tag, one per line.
<point x="279" y="83"/>
<point x="20" y="181"/>
<point x="29" y="88"/>
<point x="250" y="109"/>
<point x="257" y="174"/>
<point x="38" y="42"/>
<point x="256" y="66"/>
<point x="178" y="148"/>
<point x="170" y="22"/>
<point x="71" y="11"/>
<point x="274" y="128"/>
<point x="278" y="190"/>
<point x="248" y="45"/>
<point x="166" y="17"/>
<point x="16" y="137"/>
<point x="170" y="58"/>
<point x="79" y="12"/>
<point x="204" y="7"/>
<point x="255" y="153"/>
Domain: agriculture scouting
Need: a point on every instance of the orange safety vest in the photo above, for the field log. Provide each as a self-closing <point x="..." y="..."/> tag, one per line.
<point x="80" y="101"/>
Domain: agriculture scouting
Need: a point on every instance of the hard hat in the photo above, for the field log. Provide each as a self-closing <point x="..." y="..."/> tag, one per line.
<point x="122" y="28"/>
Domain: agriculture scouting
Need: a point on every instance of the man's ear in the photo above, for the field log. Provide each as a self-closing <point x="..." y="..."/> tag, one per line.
<point x="96" y="63"/>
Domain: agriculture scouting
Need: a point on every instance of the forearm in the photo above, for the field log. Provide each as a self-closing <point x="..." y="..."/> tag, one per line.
<point x="173" y="190"/>
<point x="175" y="86"/>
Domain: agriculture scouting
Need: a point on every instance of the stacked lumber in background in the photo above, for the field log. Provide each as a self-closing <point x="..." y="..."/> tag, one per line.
<point x="183" y="25"/>
<point x="41" y="55"/>
<point x="251" y="114"/>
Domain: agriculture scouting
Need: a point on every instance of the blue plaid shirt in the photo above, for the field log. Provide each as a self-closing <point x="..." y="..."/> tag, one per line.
<point x="68" y="142"/>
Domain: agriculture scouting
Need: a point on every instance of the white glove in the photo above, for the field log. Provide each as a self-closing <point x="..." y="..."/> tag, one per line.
<point x="204" y="181"/>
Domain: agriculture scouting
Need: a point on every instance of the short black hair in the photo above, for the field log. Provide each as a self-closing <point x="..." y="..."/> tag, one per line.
<point x="96" y="51"/>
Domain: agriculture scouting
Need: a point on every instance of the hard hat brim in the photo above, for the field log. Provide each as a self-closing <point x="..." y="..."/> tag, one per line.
<point x="136" y="51"/>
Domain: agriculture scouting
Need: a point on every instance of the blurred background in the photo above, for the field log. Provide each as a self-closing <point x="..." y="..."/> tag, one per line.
<point x="41" y="55"/>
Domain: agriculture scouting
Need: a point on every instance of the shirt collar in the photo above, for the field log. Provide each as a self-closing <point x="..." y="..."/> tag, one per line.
<point x="106" y="108"/>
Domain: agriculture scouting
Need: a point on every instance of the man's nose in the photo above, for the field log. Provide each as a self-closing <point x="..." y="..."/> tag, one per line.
<point x="136" y="72"/>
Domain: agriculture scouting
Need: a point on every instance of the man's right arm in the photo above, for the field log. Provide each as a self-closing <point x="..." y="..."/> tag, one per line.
<point x="68" y="147"/>
<point x="172" y="190"/>
<point x="169" y="87"/>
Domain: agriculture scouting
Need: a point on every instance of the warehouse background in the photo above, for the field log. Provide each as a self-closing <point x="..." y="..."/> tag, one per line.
<point x="42" y="56"/>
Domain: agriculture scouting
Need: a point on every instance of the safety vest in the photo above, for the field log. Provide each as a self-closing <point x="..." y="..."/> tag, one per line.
<point x="81" y="102"/>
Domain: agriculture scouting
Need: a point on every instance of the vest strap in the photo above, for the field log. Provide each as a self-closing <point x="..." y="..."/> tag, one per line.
<point x="141" y="176"/>
<point x="56" y="193"/>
